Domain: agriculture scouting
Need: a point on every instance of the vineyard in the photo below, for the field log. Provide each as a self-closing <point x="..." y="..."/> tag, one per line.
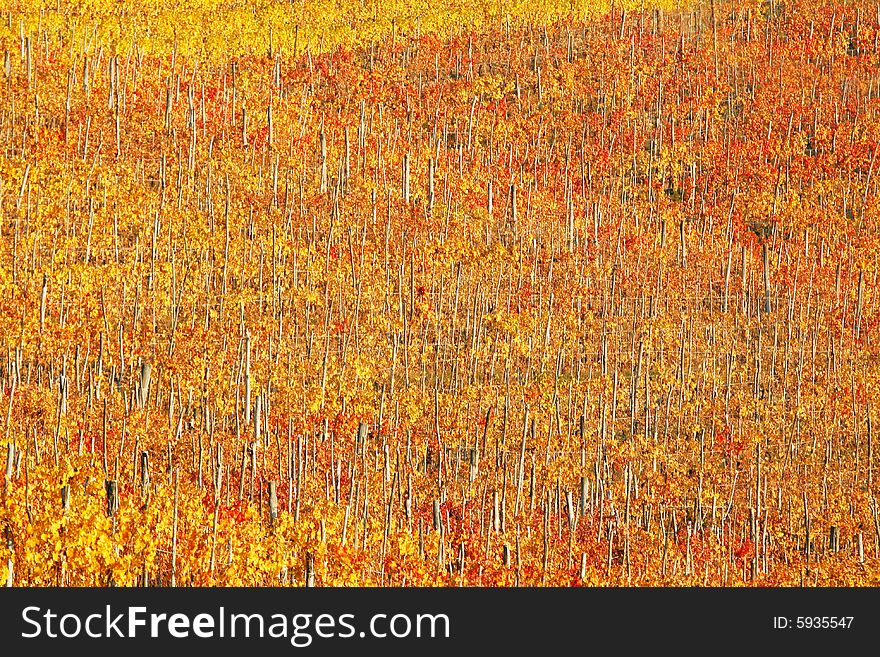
<point x="464" y="295"/>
